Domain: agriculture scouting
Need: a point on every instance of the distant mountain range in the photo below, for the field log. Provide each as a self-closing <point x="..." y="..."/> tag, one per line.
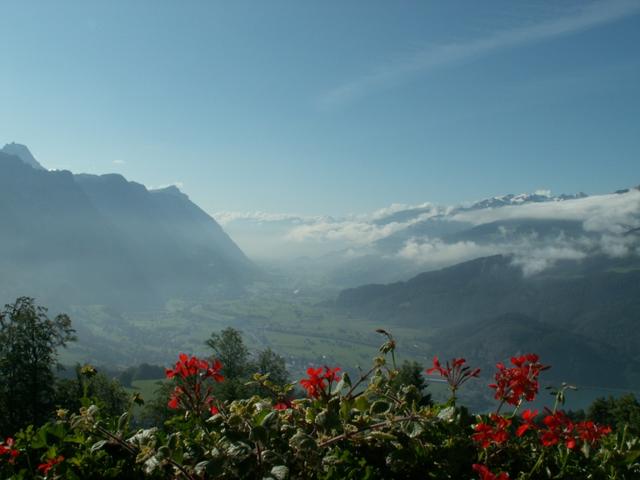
<point x="87" y="239"/>
<point x="536" y="230"/>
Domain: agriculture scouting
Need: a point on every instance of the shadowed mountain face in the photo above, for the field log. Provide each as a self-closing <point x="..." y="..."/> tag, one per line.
<point x="100" y="239"/>
<point x="575" y="307"/>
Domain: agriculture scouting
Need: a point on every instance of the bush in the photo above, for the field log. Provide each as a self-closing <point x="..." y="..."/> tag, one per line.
<point x="370" y="427"/>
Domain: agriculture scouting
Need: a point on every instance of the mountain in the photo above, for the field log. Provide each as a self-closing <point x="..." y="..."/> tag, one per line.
<point x="587" y="306"/>
<point x="521" y="199"/>
<point x="92" y="239"/>
<point x="574" y="357"/>
<point x="23" y="153"/>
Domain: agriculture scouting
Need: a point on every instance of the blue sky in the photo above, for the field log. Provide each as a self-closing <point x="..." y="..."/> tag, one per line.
<point x="328" y="107"/>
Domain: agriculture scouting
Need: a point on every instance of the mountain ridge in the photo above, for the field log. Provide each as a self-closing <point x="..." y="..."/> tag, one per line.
<point x="108" y="240"/>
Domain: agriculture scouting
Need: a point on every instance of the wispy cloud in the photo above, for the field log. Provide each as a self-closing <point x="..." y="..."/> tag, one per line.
<point x="225" y="218"/>
<point x="119" y="162"/>
<point x="440" y="56"/>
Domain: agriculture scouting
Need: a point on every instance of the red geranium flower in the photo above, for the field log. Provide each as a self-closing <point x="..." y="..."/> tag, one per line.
<point x="591" y="432"/>
<point x="317" y="382"/>
<point x="528" y="422"/>
<point x="49" y="464"/>
<point x="6" y="448"/>
<point x="189" y="366"/>
<point x="559" y="428"/>
<point x="486" y="474"/>
<point x="455" y="372"/>
<point x="498" y="433"/>
<point x="283" y="404"/>
<point x="193" y="392"/>
<point x="519" y="382"/>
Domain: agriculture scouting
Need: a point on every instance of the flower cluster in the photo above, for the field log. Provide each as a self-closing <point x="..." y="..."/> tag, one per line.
<point x="486" y="474"/>
<point x="193" y="392"/>
<point x="189" y="366"/>
<point x="495" y="432"/>
<point x="455" y="372"/>
<point x="558" y="428"/>
<point x="6" y="448"/>
<point x="44" y="468"/>
<point x="318" y="380"/>
<point x="590" y="432"/>
<point x="519" y="382"/>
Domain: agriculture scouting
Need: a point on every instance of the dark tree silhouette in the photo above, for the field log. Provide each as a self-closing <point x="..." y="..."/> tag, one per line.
<point x="29" y="342"/>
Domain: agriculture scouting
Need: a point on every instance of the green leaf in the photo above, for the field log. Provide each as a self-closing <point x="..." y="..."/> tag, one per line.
<point x="280" y="472"/>
<point x="362" y="403"/>
<point x="632" y="456"/>
<point x="270" y="420"/>
<point x="122" y="421"/>
<point x="447" y="413"/>
<point x="163" y="452"/>
<point x="172" y="441"/>
<point x="413" y="429"/>
<point x="321" y="418"/>
<point x="302" y="441"/>
<point x="98" y="445"/>
<point x="378" y="407"/>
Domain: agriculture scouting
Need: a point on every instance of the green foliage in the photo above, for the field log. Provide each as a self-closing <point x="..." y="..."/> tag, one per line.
<point x="621" y="412"/>
<point x="410" y="374"/>
<point x="144" y="371"/>
<point x="370" y="428"/>
<point x="238" y="365"/>
<point x="230" y="349"/>
<point x="97" y="388"/>
<point x="29" y="341"/>
<point x="378" y="426"/>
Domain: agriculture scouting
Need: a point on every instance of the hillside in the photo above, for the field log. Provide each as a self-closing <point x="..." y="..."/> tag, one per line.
<point x="85" y="239"/>
<point x="587" y="312"/>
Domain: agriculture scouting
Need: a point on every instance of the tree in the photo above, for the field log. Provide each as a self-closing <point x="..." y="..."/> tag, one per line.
<point x="29" y="342"/>
<point x="238" y="365"/>
<point x="268" y="361"/>
<point x="617" y="412"/>
<point x="230" y="349"/>
<point x="94" y="386"/>
<point x="411" y="374"/>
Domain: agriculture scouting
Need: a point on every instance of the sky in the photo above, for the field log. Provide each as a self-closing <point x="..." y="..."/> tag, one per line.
<point x="328" y="107"/>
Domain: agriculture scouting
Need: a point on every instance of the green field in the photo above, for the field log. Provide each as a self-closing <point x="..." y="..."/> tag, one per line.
<point x="301" y="329"/>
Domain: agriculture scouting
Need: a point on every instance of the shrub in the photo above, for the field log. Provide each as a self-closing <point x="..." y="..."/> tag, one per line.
<point x="370" y="427"/>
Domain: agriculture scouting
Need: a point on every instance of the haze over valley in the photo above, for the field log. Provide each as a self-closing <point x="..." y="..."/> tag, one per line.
<point x="145" y="271"/>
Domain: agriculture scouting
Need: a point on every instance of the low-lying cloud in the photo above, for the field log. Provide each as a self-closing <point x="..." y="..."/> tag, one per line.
<point x="600" y="227"/>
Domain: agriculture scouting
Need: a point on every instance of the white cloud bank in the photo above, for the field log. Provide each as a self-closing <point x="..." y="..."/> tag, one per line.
<point x="615" y="213"/>
<point x="604" y="221"/>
